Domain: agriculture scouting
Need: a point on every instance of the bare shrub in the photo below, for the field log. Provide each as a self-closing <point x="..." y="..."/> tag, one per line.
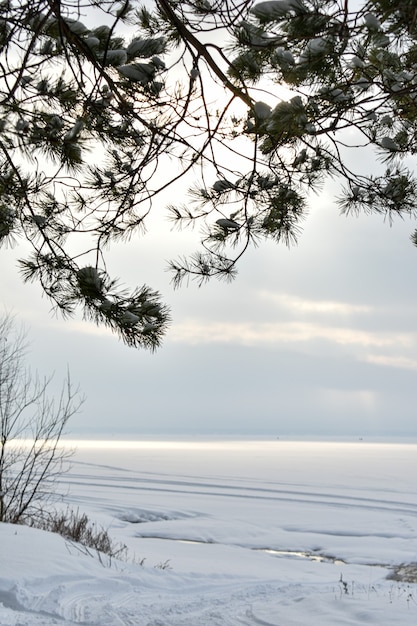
<point x="31" y="425"/>
<point x="77" y="527"/>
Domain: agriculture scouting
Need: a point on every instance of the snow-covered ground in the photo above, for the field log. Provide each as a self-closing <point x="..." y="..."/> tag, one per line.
<point x="233" y="533"/>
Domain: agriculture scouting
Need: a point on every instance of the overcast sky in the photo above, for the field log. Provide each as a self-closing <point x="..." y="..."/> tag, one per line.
<point x="317" y="340"/>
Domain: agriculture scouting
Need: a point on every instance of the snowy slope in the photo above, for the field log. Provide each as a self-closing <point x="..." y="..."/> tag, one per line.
<point x="279" y="541"/>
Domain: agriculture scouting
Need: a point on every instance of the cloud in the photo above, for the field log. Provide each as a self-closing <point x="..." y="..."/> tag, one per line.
<point x="197" y="331"/>
<point x="400" y="362"/>
<point x="304" y="305"/>
<point x="355" y="400"/>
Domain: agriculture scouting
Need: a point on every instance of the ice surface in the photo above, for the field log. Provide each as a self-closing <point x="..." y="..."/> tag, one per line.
<point x="274" y="533"/>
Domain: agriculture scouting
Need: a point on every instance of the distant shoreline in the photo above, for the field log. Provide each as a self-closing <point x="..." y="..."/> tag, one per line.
<point x="189" y="441"/>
